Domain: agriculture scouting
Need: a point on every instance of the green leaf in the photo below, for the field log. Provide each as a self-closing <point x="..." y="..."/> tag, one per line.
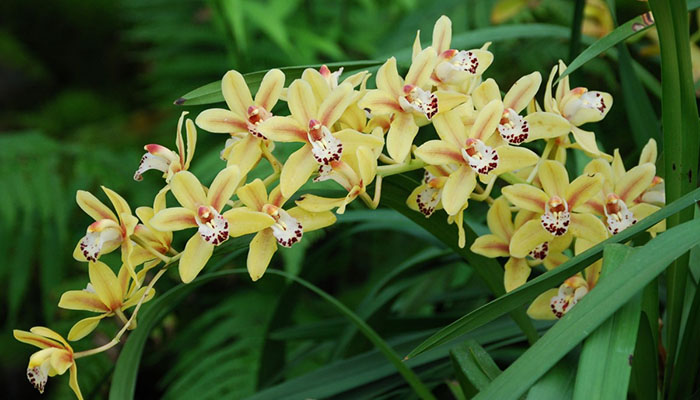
<point x="124" y="380"/>
<point x="395" y="191"/>
<point x="643" y="382"/>
<point x="520" y="296"/>
<point x="474" y="368"/>
<point x="557" y="383"/>
<point x="605" y="363"/>
<point x="590" y="312"/>
<point x="211" y="92"/>
<point x="576" y="25"/>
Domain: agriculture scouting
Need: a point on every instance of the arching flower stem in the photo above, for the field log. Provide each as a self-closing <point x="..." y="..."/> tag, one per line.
<point x="545" y="153"/>
<point x="388" y="170"/>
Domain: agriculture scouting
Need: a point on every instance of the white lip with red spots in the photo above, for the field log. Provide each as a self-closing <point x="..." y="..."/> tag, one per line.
<point x="569" y="294"/>
<point x="480" y="157"/>
<point x="618" y="216"/>
<point x="428" y="200"/>
<point x="213" y="227"/>
<point x="286" y="229"/>
<point x="325" y="147"/>
<point x="513" y="127"/>
<point x="540" y="252"/>
<point x="556" y="217"/>
<point x="38" y="376"/>
<point x="417" y="99"/>
<point x="98" y="237"/>
<point x="151" y="161"/>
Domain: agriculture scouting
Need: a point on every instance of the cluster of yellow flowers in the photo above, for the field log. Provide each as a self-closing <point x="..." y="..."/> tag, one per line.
<point x="343" y="127"/>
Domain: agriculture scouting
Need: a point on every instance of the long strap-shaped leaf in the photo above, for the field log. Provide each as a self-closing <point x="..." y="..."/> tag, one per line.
<point x="598" y="305"/>
<point x="548" y="280"/>
<point x="124" y="380"/>
<point x="396" y="189"/>
<point x="618" y="35"/>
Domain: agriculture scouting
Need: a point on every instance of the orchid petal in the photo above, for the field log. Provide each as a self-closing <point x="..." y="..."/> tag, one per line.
<point x="246" y="153"/>
<point x="522" y="92"/>
<point x="526" y="197"/>
<point x="546" y="125"/>
<point x="35" y="339"/>
<point x="187" y="190"/>
<point x="243" y="221"/>
<point x="319" y="84"/>
<point x="334" y="105"/>
<point x="499" y="219"/>
<point x="588" y="227"/>
<point x="219" y="120"/>
<point x="297" y="170"/>
<point x="173" y="219"/>
<point x="262" y="248"/>
<point x="442" y="34"/>
<point x="51" y="334"/>
<point x="301" y="101"/>
<point x="450" y="129"/>
<point x="283" y="129"/>
<point x="84" y="327"/>
<point x="380" y="102"/>
<point x="541" y="309"/>
<point x="586" y="140"/>
<point x="312" y="221"/>
<point x="388" y="79"/>
<point x="236" y="92"/>
<point x="270" y="89"/>
<point x="516" y="273"/>
<point x="491" y="246"/>
<point x="487" y="120"/>
<point x="195" y="256"/>
<point x="82" y="300"/>
<point x="73" y="382"/>
<point x="223" y="187"/>
<point x="649" y="153"/>
<point x="512" y="158"/>
<point x="583" y="189"/>
<point x="554" y="178"/>
<point x="313" y="203"/>
<point x="253" y="195"/>
<point x="400" y="137"/>
<point x="439" y="152"/>
<point x="527" y="237"/>
<point x="421" y="68"/>
<point x="485" y="93"/>
<point x="106" y="284"/>
<point x="93" y="206"/>
<point x="634" y="182"/>
<point x="457" y="189"/>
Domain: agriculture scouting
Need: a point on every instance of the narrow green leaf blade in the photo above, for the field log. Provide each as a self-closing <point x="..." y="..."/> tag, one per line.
<point x="605" y="363"/>
<point x="474" y="368"/>
<point x="607" y="297"/>
<point x="557" y="383"/>
<point x="548" y="280"/>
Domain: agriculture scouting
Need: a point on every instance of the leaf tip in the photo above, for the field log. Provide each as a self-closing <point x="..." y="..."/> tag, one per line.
<point x="180" y="101"/>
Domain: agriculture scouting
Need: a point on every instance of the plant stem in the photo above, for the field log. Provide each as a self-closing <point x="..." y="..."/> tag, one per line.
<point x="150" y="249"/>
<point x="388" y="170"/>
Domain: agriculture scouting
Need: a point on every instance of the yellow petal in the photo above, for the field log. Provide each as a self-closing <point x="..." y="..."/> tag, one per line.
<point x="511" y="158"/>
<point x="335" y="104"/>
<point x="270" y="89"/>
<point x="487" y="120"/>
<point x="195" y="256"/>
<point x="243" y="221"/>
<point x="136" y="297"/>
<point x="313" y="203"/>
<point x="516" y="274"/>
<point x="297" y="170"/>
<point x="563" y="87"/>
<point x="450" y="128"/>
<point x="61" y="360"/>
<point x="367" y="163"/>
<point x="442" y="34"/>
<point x="583" y="189"/>
<point x="545" y="125"/>
<point x="584" y="115"/>
<point x="191" y="142"/>
<point x="187" y="190"/>
<point x="236" y="92"/>
<point x="352" y="140"/>
<point x="449" y="99"/>
<point x="526" y="197"/>
<point x="311" y="221"/>
<point x="319" y="84"/>
<point x="617" y="165"/>
<point x="46" y="332"/>
<point x="223" y="187"/>
<point x="485" y="93"/>
<point x="301" y="101"/>
<point x="634" y="182"/>
<point x="380" y="102"/>
<point x="388" y="79"/>
<point x="262" y="247"/>
<point x="400" y="137"/>
<point x="106" y="284"/>
<point x="93" y="207"/>
<point x="643" y="210"/>
<point x="35" y="339"/>
<point x="421" y="68"/>
<point x="457" y="189"/>
<point x="218" y="120"/>
<point x="284" y="129"/>
<point x="245" y="154"/>
<point x="588" y="227"/>
<point x="82" y="300"/>
<point x="649" y="153"/>
<point x="253" y="195"/>
<point x="83" y="327"/>
<point x="550" y="104"/>
<point x="540" y="308"/>
<point x="416" y="46"/>
<point x="490" y="246"/>
<point x="522" y="91"/>
<point x="602" y="167"/>
<point x="439" y="152"/>
<point x="499" y="219"/>
<point x="554" y="260"/>
<point x="554" y="178"/>
<point x="73" y="382"/>
<point x="120" y="205"/>
<point x="173" y="219"/>
<point x="586" y="140"/>
<point x="529" y="236"/>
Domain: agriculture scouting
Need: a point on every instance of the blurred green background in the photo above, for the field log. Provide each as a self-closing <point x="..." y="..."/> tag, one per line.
<point x="85" y="84"/>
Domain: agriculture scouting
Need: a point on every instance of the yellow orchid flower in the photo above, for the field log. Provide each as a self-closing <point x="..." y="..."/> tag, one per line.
<point x="109" y="231"/>
<point x="243" y="118"/>
<point x="312" y="124"/>
<point x="454" y="69"/>
<point x="409" y="100"/>
<point x="427" y="197"/>
<point x="353" y="172"/>
<point x="106" y="294"/>
<point x="202" y="211"/>
<point x="497" y="244"/>
<point x="464" y="147"/>
<point x="579" y="106"/>
<point x="54" y="358"/>
<point x="274" y="225"/>
<point x="156" y="240"/>
<point x="556" y="206"/>
<point x="514" y="128"/>
<point x="167" y="161"/>
<point x="554" y="303"/>
<point x="656" y="192"/>
<point x="620" y="201"/>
